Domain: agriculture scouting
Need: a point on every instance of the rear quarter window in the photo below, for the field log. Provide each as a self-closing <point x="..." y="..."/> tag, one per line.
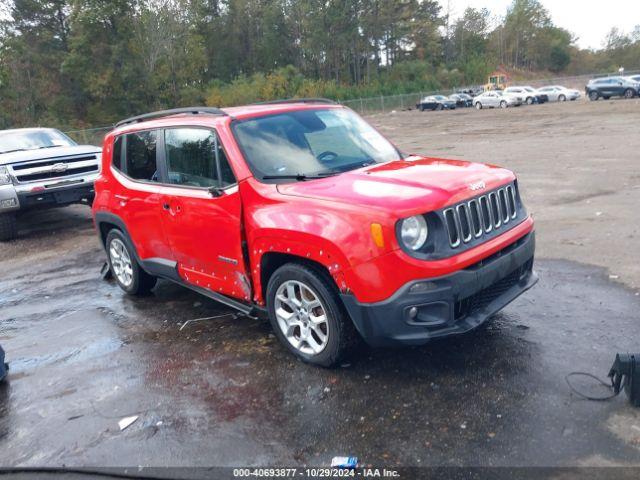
<point x="116" y="159"/>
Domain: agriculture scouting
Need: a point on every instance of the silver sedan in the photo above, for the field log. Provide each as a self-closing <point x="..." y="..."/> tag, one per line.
<point x="495" y="99"/>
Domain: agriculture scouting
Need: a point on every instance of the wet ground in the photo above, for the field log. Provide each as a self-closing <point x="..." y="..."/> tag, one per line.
<point x="223" y="391"/>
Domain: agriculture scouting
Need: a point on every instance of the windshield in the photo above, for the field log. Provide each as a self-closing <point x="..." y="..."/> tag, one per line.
<point x="310" y="142"/>
<point x="18" y="140"/>
<point x="440" y="97"/>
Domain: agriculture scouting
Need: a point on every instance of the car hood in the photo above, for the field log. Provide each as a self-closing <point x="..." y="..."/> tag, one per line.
<point x="47" y="153"/>
<point x="405" y="187"/>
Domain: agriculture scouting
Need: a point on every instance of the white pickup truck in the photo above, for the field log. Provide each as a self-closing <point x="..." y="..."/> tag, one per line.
<point x="42" y="167"/>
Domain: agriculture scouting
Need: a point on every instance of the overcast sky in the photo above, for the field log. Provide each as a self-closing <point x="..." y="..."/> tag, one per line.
<point x="590" y="20"/>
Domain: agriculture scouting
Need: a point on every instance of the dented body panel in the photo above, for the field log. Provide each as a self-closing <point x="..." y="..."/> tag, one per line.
<point x="219" y="242"/>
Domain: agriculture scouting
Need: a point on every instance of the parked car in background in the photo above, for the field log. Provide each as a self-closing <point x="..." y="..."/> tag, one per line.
<point x="495" y="99"/>
<point x="42" y="167"/>
<point x="462" y="100"/>
<point x="529" y="94"/>
<point x="436" y="102"/>
<point x="634" y="78"/>
<point x="4" y="367"/>
<point x="284" y="210"/>
<point x="612" y="87"/>
<point x="558" y="93"/>
<point x="473" y="91"/>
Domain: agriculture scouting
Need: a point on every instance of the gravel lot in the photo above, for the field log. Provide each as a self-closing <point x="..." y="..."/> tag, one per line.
<point x="578" y="164"/>
<point x="223" y="392"/>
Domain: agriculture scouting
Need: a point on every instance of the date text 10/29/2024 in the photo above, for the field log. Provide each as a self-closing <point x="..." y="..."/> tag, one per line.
<point x="321" y="472"/>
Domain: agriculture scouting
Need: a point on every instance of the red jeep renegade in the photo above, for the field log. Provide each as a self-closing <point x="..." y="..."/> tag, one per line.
<point x="301" y="211"/>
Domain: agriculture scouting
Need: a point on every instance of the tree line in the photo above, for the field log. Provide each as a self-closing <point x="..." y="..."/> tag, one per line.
<point x="78" y="63"/>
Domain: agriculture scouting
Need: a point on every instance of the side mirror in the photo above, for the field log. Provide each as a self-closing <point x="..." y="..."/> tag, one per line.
<point x="215" y="191"/>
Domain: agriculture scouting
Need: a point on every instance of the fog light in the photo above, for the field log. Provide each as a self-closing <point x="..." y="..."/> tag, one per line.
<point x="413" y="312"/>
<point x="422" y="287"/>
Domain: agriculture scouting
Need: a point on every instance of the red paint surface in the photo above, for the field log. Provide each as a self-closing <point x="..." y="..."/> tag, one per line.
<point x="326" y="220"/>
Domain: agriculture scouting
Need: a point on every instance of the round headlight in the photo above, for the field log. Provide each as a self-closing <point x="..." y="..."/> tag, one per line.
<point x="414" y="232"/>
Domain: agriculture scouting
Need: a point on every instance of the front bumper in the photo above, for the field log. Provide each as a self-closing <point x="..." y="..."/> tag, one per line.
<point x="51" y="194"/>
<point x="447" y="305"/>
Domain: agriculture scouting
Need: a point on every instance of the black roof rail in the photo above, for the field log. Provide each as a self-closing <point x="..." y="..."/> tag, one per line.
<point x="298" y="100"/>
<point x="174" y="111"/>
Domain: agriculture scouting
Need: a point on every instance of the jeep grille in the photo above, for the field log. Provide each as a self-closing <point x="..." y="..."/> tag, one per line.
<point x="477" y="217"/>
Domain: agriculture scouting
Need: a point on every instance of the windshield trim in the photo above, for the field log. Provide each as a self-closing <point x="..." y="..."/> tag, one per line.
<point x="310" y="177"/>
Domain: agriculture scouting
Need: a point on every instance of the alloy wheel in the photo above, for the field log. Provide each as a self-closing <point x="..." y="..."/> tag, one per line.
<point x="121" y="262"/>
<point x="302" y="317"/>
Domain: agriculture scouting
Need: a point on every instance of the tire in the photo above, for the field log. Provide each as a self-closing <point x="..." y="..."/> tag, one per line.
<point x="422" y="108"/>
<point x="503" y="104"/>
<point x="629" y="93"/>
<point x="593" y="96"/>
<point x="8" y="227"/>
<point x="562" y="98"/>
<point x="134" y="281"/>
<point x="304" y="341"/>
<point x="439" y="107"/>
<point x="529" y="100"/>
<point x="478" y="106"/>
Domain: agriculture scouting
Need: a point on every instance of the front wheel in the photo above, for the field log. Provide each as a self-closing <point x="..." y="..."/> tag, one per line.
<point x="307" y="316"/>
<point x="503" y="104"/>
<point x="125" y="268"/>
<point x="562" y="98"/>
<point x="529" y="100"/>
<point x="422" y="108"/>
<point x="593" y="96"/>
<point x="629" y="93"/>
<point x="478" y="105"/>
<point x="8" y="227"/>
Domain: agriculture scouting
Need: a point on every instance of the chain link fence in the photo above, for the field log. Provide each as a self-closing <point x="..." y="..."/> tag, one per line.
<point x="382" y="104"/>
<point x="90" y="136"/>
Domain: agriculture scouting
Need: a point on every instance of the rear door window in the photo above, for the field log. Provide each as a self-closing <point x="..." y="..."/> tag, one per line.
<point x="141" y="151"/>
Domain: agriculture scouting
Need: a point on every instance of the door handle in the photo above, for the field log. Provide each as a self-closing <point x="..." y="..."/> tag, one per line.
<point x="176" y="209"/>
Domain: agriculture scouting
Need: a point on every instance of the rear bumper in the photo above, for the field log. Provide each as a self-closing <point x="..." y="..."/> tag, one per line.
<point x="447" y="305"/>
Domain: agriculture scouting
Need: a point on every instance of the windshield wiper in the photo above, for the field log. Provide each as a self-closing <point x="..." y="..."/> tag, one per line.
<point x="301" y="177"/>
<point x="15" y="150"/>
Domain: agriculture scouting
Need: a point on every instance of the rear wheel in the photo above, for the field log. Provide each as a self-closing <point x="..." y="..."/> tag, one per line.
<point x="124" y="266"/>
<point x="593" y="96"/>
<point x="8" y="227"/>
<point x="529" y="100"/>
<point x="439" y="107"/>
<point x="562" y="98"/>
<point x="307" y="315"/>
<point x="422" y="108"/>
<point x="629" y="93"/>
<point x="503" y="104"/>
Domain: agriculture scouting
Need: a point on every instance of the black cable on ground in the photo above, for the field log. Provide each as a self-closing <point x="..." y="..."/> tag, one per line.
<point x="590" y="397"/>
